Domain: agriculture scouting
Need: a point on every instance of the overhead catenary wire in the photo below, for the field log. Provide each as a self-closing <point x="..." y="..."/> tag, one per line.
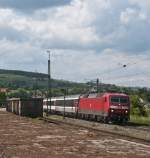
<point x="123" y="65"/>
<point x="127" y="76"/>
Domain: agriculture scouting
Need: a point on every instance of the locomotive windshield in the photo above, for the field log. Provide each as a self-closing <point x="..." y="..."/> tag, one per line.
<point x="118" y="100"/>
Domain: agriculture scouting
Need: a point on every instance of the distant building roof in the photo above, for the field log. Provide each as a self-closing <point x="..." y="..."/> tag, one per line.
<point x="4" y="90"/>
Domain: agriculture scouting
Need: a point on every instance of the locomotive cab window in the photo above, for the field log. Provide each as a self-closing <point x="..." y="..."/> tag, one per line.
<point x="114" y="99"/>
<point x="123" y="100"/>
<point x="118" y="100"/>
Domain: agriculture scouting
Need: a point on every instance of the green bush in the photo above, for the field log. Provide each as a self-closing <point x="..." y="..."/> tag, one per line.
<point x="137" y="107"/>
<point x="20" y="93"/>
<point x="3" y="98"/>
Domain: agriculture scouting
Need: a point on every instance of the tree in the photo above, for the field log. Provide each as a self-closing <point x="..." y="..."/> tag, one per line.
<point x="137" y="107"/>
<point x="20" y="93"/>
<point x="2" y="98"/>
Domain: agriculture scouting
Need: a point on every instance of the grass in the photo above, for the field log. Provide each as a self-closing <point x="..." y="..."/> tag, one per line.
<point x="141" y="120"/>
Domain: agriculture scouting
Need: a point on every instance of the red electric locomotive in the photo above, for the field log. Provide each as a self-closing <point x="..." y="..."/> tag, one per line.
<point x="107" y="107"/>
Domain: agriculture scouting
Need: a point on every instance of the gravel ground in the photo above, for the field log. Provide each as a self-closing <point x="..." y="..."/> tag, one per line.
<point x="31" y="138"/>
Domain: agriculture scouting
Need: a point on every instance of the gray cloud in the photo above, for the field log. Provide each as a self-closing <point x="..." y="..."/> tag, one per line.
<point x="12" y="34"/>
<point x="31" y="4"/>
<point x="87" y="25"/>
<point x="123" y="26"/>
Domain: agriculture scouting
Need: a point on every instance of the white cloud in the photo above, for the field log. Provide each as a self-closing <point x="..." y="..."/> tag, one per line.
<point x="96" y="36"/>
<point x="131" y="15"/>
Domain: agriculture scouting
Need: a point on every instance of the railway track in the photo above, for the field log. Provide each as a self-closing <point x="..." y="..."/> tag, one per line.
<point x="126" y="132"/>
<point x="129" y="125"/>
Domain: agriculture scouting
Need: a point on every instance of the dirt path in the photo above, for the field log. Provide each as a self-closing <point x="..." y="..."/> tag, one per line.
<point x="30" y="138"/>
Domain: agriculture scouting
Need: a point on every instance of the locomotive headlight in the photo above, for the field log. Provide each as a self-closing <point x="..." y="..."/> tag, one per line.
<point x="126" y="111"/>
<point x="112" y="110"/>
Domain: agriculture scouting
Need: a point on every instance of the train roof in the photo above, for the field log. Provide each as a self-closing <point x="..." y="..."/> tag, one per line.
<point x="70" y="97"/>
<point x="115" y="94"/>
<point x="97" y="95"/>
<point x="91" y="95"/>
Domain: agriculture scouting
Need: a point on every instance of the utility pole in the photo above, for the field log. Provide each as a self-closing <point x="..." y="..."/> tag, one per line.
<point x="65" y="91"/>
<point x="35" y="85"/>
<point x="49" y="81"/>
<point x="97" y="85"/>
<point x="64" y="103"/>
<point x="35" y="88"/>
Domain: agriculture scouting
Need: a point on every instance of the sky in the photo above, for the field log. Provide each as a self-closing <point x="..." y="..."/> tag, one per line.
<point x="105" y="39"/>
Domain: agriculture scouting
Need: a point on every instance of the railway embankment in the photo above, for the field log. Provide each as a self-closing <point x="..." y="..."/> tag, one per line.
<point x="126" y="131"/>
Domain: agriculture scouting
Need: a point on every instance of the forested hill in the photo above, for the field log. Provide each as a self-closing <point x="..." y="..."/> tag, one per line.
<point x="23" y="73"/>
<point x="14" y="79"/>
